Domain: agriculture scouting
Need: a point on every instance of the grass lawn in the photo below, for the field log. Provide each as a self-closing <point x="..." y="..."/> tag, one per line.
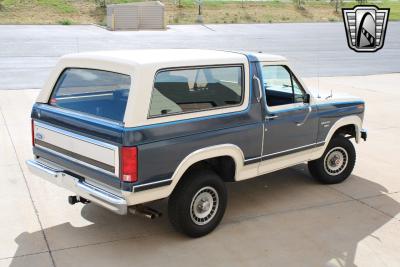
<point x="85" y="11"/>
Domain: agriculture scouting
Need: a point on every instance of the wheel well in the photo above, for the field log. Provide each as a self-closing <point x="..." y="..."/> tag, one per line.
<point x="224" y="166"/>
<point x="348" y="131"/>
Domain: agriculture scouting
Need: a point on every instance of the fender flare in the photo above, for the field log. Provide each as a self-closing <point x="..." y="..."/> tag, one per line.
<point x="348" y="120"/>
<point x="229" y="150"/>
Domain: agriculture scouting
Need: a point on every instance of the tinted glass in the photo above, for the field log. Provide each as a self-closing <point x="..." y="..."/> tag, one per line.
<point x="96" y="92"/>
<point x="298" y="92"/>
<point x="277" y="78"/>
<point x="188" y="90"/>
<point x="281" y="87"/>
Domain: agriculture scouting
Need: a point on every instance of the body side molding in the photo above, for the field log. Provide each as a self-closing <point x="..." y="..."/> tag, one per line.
<point x="348" y="120"/>
<point x="230" y="150"/>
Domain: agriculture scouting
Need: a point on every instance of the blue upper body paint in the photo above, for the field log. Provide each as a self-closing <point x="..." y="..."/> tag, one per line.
<point x="173" y="141"/>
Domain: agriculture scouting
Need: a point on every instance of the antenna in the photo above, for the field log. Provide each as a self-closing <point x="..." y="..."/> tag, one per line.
<point x="77" y="44"/>
<point x="329" y="96"/>
<point x="318" y="95"/>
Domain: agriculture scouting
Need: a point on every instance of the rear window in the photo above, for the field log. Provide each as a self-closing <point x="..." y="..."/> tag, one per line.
<point x="196" y="89"/>
<point x="95" y="92"/>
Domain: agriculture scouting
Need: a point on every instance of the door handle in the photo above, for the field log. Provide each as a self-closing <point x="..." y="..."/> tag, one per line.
<point x="271" y="117"/>
<point x="306" y="117"/>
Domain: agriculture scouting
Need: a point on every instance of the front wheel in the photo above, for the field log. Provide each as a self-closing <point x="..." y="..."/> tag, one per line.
<point x="337" y="162"/>
<point x="197" y="204"/>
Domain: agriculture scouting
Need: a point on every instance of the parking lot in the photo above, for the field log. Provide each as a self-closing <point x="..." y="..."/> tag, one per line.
<point x="27" y="53"/>
<point x="281" y="219"/>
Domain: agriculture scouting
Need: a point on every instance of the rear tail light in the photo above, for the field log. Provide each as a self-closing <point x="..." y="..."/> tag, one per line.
<point x="33" y="132"/>
<point x="129" y="168"/>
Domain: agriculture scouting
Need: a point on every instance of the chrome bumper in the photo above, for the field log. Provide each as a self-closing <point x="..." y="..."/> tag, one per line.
<point x="364" y="134"/>
<point x="95" y="194"/>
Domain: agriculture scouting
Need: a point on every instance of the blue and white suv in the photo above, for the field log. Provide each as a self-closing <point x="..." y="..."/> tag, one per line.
<point x="122" y="128"/>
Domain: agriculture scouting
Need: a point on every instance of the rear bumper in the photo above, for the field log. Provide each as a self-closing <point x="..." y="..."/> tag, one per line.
<point x="93" y="193"/>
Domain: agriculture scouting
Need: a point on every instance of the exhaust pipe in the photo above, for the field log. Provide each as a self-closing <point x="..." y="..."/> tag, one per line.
<point x="145" y="212"/>
<point x="75" y="199"/>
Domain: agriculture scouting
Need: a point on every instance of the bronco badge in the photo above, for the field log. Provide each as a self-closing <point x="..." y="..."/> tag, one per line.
<point x="365" y="27"/>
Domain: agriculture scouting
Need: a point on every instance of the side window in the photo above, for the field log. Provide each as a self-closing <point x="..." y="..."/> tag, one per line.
<point x="281" y="86"/>
<point x="196" y="89"/>
<point x="299" y="93"/>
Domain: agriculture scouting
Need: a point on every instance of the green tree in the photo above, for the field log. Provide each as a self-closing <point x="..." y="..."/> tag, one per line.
<point x="337" y="4"/>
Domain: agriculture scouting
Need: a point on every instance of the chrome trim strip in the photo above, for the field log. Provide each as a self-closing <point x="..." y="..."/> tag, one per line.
<point x="259" y="88"/>
<point x="284" y="151"/>
<point x="76" y="160"/>
<point x="76" y="136"/>
<point x="42" y="167"/>
<point x="309" y="109"/>
<point x="100" y="193"/>
<point x="151" y="183"/>
<point x="81" y="114"/>
<point x="264" y="129"/>
<point x="93" y="193"/>
<point x="84" y="96"/>
<point x="78" y="156"/>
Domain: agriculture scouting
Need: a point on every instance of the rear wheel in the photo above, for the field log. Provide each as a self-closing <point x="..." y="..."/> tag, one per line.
<point x="337" y="162"/>
<point x="197" y="204"/>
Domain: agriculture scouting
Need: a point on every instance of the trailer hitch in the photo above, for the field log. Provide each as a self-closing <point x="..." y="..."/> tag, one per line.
<point x="75" y="199"/>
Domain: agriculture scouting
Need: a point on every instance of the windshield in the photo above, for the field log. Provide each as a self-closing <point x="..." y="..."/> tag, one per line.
<point x="95" y="92"/>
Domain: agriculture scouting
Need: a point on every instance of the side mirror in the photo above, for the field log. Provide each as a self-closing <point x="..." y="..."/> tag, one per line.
<point x="257" y="83"/>
<point x="307" y="98"/>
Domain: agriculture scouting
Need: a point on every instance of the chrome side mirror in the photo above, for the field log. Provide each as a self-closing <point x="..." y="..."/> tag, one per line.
<point x="257" y="81"/>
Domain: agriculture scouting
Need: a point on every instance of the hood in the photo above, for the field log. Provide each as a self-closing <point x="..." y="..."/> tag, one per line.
<point x="324" y="96"/>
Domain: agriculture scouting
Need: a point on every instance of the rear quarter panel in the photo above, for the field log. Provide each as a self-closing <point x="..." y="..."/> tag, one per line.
<point x="163" y="147"/>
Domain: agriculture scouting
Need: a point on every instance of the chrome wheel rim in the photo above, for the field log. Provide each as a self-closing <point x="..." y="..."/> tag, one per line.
<point x="336" y="161"/>
<point x="204" y="205"/>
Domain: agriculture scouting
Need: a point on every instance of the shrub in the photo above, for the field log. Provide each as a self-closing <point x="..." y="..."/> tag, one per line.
<point x="299" y="3"/>
<point x="101" y="3"/>
<point x="176" y="20"/>
<point x="65" y="22"/>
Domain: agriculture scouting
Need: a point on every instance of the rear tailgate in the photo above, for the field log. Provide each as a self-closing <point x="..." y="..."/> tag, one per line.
<point x="83" y="146"/>
<point x="80" y="126"/>
<point x="92" y="153"/>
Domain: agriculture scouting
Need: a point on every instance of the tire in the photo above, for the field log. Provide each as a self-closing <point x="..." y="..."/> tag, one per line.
<point x="337" y="162"/>
<point x="197" y="204"/>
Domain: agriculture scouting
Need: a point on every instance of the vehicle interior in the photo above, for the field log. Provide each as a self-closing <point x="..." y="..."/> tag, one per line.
<point x="176" y="93"/>
<point x="281" y="87"/>
<point x="100" y="93"/>
<point x="105" y="104"/>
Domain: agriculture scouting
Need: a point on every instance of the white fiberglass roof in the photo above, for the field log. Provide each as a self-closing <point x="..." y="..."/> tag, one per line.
<point x="157" y="56"/>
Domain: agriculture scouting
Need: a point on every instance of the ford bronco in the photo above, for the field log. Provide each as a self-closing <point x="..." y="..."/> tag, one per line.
<point x="123" y="128"/>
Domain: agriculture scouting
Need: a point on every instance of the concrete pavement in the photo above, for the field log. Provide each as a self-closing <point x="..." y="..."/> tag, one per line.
<point x="27" y="53"/>
<point x="280" y="219"/>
